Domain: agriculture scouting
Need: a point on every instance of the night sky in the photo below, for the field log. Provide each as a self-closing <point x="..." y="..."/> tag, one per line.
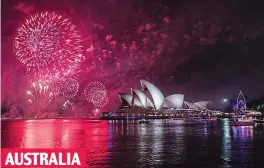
<point x="205" y="49"/>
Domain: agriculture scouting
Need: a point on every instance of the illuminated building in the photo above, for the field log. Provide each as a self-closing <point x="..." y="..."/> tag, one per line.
<point x="148" y="98"/>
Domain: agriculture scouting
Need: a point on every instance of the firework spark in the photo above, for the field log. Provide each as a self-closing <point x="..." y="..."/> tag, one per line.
<point x="96" y="93"/>
<point x="49" y="46"/>
<point x="67" y="87"/>
<point x="67" y="104"/>
<point x="40" y="95"/>
<point x="95" y="112"/>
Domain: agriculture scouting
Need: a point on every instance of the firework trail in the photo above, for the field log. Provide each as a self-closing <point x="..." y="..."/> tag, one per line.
<point x="96" y="93"/>
<point x="40" y="96"/>
<point x="49" y="46"/>
<point x="40" y="93"/>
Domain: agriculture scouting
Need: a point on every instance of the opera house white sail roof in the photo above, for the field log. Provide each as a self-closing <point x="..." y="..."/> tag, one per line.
<point x="156" y="95"/>
<point x="175" y="99"/>
<point x="149" y="96"/>
<point x="142" y="97"/>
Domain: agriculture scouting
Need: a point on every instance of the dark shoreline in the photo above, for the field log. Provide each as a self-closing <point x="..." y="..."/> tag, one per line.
<point x="105" y="118"/>
<point x="99" y="118"/>
<point x="23" y="119"/>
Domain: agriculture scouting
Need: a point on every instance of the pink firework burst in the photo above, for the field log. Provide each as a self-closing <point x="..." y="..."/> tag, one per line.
<point x="49" y="46"/>
<point x="96" y="93"/>
<point x="67" y="87"/>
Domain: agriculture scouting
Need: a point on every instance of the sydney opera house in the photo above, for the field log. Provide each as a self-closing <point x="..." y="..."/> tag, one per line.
<point x="148" y="98"/>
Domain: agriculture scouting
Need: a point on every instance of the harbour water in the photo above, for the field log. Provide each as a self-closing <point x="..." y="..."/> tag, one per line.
<point x="161" y="143"/>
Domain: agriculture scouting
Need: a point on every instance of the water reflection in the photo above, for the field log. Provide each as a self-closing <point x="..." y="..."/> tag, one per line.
<point x="92" y="136"/>
<point x="226" y="143"/>
<point x="150" y="143"/>
<point x="12" y="134"/>
<point x="142" y="150"/>
<point x="243" y="132"/>
<point x="38" y="134"/>
<point x="242" y="144"/>
<point x="177" y="135"/>
<point x="162" y="143"/>
<point x="157" y="146"/>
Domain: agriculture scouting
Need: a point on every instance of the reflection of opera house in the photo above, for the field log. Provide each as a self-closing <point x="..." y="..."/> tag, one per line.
<point x="149" y="99"/>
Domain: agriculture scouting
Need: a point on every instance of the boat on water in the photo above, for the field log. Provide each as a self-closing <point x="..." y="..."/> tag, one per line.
<point x="242" y="120"/>
<point x="143" y="121"/>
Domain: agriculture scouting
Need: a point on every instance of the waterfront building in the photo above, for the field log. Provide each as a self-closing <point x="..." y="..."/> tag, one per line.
<point x="149" y="100"/>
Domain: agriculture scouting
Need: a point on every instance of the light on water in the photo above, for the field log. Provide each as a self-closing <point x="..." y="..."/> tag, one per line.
<point x="156" y="144"/>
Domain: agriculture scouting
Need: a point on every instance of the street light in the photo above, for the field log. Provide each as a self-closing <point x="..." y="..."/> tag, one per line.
<point x="225" y="100"/>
